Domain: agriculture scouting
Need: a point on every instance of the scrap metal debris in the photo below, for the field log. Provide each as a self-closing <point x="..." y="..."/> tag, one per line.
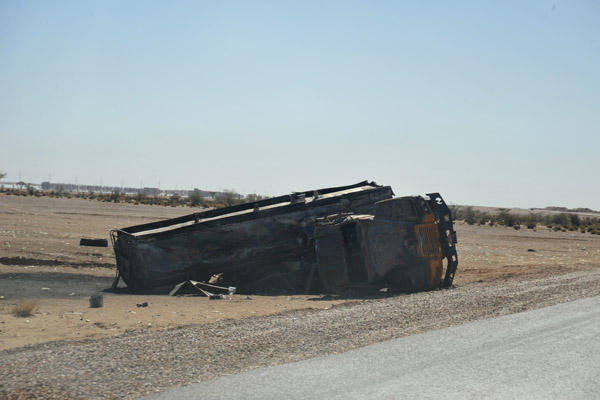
<point x="202" y="288"/>
<point x="356" y="237"/>
<point x="93" y="242"/>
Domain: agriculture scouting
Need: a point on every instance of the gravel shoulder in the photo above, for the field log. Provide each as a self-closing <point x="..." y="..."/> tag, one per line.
<point x="137" y="364"/>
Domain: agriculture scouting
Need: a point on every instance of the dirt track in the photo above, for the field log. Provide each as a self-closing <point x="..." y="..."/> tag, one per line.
<point x="40" y="258"/>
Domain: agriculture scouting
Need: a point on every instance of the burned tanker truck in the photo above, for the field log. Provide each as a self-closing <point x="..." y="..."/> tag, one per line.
<point x="320" y="241"/>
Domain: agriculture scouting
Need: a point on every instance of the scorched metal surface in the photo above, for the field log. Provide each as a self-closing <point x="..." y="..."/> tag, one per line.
<point x="281" y="244"/>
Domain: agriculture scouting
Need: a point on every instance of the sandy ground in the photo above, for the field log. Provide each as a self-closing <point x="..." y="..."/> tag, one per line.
<point x="488" y="254"/>
<point x="40" y="259"/>
<point x="66" y="319"/>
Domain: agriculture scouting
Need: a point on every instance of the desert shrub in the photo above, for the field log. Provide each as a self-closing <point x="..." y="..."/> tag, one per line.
<point x="140" y="197"/>
<point x="469" y="215"/>
<point x="60" y="191"/>
<point x="454" y="210"/>
<point x="115" y="196"/>
<point x="254" y="197"/>
<point x="31" y="190"/>
<point x="531" y="221"/>
<point x="195" y="198"/>
<point x="574" y="219"/>
<point x="175" y="200"/>
<point x="162" y="201"/>
<point x="592" y="224"/>
<point x="25" y="308"/>
<point x="230" y="197"/>
<point x="507" y="218"/>
<point x="560" y="219"/>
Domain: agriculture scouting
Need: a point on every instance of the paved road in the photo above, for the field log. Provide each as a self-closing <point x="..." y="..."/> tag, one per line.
<point x="552" y="352"/>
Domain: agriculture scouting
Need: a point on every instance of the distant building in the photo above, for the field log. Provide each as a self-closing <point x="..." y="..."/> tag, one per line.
<point x="150" y="191"/>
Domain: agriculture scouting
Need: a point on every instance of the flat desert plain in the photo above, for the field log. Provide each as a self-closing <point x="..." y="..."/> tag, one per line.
<point x="178" y="340"/>
<point x="41" y="260"/>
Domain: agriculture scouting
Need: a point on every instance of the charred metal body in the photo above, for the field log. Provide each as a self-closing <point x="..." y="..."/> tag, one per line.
<point x="322" y="240"/>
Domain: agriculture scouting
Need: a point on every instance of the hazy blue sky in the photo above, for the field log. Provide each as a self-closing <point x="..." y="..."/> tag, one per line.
<point x="490" y="103"/>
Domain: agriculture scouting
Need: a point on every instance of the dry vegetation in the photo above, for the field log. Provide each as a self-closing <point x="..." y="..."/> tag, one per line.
<point x="228" y="197"/>
<point x="563" y="221"/>
<point x="25" y="308"/>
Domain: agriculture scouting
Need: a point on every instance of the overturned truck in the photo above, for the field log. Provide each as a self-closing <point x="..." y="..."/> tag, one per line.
<point x="327" y="240"/>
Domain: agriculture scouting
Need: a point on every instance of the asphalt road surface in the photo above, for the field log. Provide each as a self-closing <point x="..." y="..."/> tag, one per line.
<point x="552" y="352"/>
